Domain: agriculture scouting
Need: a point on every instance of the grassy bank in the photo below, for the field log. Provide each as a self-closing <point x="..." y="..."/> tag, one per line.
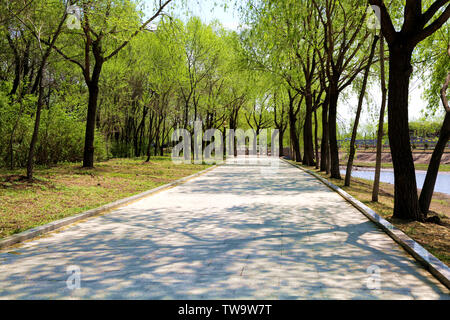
<point x="435" y="238"/>
<point x="68" y="189"/>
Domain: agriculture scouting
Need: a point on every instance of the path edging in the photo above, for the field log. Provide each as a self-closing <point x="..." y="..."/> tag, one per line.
<point x="436" y="267"/>
<point x="46" y="228"/>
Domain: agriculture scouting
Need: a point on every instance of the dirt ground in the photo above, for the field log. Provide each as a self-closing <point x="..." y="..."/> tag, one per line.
<point x="418" y="157"/>
<point x="434" y="237"/>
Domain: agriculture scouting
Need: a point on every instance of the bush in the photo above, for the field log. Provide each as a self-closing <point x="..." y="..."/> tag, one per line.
<point x="61" y="139"/>
<point x="61" y="136"/>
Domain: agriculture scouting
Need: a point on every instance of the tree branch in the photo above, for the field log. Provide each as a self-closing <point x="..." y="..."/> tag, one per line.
<point x="444" y="89"/>
<point x="433" y="27"/>
<point x="444" y="93"/>
<point x="412" y="15"/>
<point x="435" y="7"/>
<point x="143" y="26"/>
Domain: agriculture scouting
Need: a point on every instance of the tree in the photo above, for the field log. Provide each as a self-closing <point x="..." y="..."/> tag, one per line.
<point x="433" y="168"/>
<point x="275" y="45"/>
<point x="351" y="155"/>
<point x="417" y="26"/>
<point x="101" y="27"/>
<point x="341" y="61"/>
<point x="280" y="119"/>
<point x="40" y="83"/>
<point x="380" y="133"/>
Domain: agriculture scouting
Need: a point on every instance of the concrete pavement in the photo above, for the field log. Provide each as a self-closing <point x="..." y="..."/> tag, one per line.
<point x="241" y="231"/>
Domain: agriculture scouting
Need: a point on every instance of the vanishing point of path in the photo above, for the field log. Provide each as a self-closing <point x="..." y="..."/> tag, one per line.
<point x="240" y="231"/>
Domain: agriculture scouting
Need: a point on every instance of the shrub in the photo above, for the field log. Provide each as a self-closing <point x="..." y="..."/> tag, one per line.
<point x="61" y="136"/>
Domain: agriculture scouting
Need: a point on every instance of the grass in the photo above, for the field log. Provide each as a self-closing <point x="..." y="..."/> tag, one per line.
<point x="418" y="166"/>
<point x="435" y="238"/>
<point x="68" y="189"/>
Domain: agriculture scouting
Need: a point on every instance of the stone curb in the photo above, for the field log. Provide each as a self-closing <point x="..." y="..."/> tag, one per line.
<point x="34" y="232"/>
<point x="435" y="266"/>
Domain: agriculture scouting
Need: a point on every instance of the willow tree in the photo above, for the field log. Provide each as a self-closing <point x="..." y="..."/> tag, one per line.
<point x="342" y="58"/>
<point x="418" y="24"/>
<point x="106" y="28"/>
<point x="435" y="52"/>
<point x="54" y="32"/>
<point x="433" y="168"/>
<point x="276" y="43"/>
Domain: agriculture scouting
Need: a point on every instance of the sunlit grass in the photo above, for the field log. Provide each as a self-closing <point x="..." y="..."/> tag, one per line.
<point x="68" y="189"/>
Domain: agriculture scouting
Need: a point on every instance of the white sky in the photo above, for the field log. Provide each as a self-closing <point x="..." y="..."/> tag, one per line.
<point x="207" y="11"/>
<point x="347" y="108"/>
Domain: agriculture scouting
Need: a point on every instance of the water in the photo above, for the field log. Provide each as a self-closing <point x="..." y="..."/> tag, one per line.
<point x="442" y="181"/>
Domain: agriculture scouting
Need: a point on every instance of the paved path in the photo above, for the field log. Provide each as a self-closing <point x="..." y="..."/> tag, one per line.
<point x="240" y="231"/>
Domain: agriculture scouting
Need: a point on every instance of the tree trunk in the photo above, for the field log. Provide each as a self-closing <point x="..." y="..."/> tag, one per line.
<point x="316" y="140"/>
<point x="293" y="133"/>
<point x="150" y="136"/>
<point x="280" y="125"/>
<point x="141" y="130"/>
<point x="138" y="134"/>
<point x="332" y="124"/>
<point x="157" y="135"/>
<point x="280" y="142"/>
<point x="12" y="136"/>
<point x="406" y="203"/>
<point x="324" y="144"/>
<point x="433" y="168"/>
<point x="328" y="159"/>
<point x="88" y="157"/>
<point x="380" y="135"/>
<point x="351" y="156"/>
<point x="308" y="152"/>
<point x="37" y="121"/>
<point x="161" y="149"/>
<point x="17" y="73"/>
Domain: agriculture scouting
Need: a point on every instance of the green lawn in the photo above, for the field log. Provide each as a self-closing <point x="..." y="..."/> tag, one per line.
<point x="68" y="189"/>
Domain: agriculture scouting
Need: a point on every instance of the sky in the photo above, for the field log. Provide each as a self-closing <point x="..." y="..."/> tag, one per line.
<point x="207" y="11"/>
<point x="347" y="107"/>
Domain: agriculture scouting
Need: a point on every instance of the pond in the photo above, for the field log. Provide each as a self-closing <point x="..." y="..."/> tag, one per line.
<point x="442" y="182"/>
